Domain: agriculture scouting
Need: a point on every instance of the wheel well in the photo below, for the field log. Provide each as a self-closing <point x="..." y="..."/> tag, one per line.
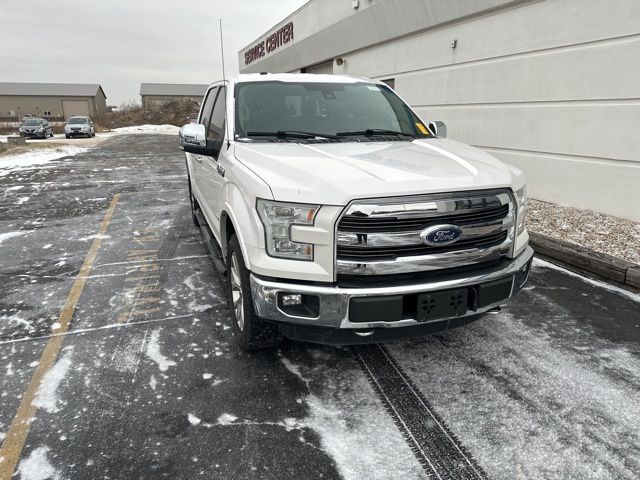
<point x="226" y="231"/>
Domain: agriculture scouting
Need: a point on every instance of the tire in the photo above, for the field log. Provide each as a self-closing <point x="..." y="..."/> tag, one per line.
<point x="192" y="201"/>
<point x="250" y="332"/>
<point x="67" y="136"/>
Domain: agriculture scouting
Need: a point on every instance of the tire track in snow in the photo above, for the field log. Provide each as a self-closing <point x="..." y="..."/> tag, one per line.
<point x="437" y="449"/>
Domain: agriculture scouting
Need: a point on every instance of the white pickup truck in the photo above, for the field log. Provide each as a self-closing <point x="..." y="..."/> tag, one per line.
<point x="337" y="216"/>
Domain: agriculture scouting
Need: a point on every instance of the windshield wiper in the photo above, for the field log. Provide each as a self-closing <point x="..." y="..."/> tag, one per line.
<point x="374" y="131"/>
<point x="291" y="134"/>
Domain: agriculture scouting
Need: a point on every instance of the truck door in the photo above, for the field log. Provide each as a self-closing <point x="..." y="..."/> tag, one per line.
<point x="213" y="172"/>
<point x="195" y="162"/>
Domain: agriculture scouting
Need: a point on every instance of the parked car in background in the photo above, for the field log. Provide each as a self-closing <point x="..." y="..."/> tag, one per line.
<point x="193" y="118"/>
<point x="79" y="125"/>
<point x="36" y="128"/>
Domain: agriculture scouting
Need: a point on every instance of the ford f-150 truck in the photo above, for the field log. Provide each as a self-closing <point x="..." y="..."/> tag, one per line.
<point x="337" y="216"/>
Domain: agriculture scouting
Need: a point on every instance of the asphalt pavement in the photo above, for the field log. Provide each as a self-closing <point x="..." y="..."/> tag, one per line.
<point x="116" y="359"/>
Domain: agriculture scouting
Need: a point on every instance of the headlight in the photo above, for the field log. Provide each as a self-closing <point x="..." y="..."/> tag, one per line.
<point x="521" y="198"/>
<point x="277" y="218"/>
<point x="40" y="129"/>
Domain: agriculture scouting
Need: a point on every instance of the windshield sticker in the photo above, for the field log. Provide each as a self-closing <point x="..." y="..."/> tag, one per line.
<point x="375" y="88"/>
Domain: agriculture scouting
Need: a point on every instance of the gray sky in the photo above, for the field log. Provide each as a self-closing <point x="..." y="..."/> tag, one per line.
<point x="120" y="43"/>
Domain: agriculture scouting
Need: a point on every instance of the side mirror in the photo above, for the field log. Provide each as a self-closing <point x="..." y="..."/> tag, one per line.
<point x="438" y="128"/>
<point x="193" y="139"/>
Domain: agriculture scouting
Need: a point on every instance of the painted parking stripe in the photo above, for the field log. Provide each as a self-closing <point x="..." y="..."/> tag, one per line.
<point x="435" y="446"/>
<point x="19" y="429"/>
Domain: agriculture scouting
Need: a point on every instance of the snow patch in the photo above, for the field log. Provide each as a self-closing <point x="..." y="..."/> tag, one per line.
<point x="226" y="419"/>
<point x="5" y="236"/>
<point x="153" y="352"/>
<point x="38" y="467"/>
<point x="193" y="420"/>
<point x="23" y="161"/>
<point x="158" y="129"/>
<point x="46" y="396"/>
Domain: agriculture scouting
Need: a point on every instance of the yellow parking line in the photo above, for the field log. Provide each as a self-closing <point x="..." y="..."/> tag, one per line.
<point x="19" y="429"/>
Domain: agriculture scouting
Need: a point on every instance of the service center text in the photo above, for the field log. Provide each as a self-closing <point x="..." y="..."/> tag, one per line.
<point x="269" y="44"/>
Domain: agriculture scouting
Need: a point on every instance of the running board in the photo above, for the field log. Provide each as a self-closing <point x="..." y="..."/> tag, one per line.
<point x="212" y="244"/>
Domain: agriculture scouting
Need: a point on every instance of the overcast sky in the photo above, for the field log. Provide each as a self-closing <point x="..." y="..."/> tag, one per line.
<point x="120" y="43"/>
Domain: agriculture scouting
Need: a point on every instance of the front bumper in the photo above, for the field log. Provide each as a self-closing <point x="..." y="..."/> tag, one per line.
<point x="33" y="134"/>
<point x="334" y="301"/>
<point x="75" y="133"/>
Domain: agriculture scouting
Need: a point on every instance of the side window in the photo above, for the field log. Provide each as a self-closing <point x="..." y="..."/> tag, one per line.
<point x="215" y="130"/>
<point x="208" y="107"/>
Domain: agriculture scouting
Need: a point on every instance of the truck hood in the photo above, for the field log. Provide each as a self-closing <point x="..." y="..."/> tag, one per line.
<point x="336" y="173"/>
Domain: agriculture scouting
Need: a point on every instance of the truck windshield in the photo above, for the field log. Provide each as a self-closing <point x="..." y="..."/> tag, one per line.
<point x="333" y="111"/>
<point x="77" y="120"/>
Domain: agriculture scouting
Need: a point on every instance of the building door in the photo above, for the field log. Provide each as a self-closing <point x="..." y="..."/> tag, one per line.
<point x="324" y="68"/>
<point x="75" y="107"/>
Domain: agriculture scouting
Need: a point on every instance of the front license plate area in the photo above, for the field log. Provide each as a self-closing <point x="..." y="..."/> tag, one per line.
<point x="444" y="304"/>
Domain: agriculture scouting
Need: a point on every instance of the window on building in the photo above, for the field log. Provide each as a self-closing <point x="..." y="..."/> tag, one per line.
<point x="391" y="82"/>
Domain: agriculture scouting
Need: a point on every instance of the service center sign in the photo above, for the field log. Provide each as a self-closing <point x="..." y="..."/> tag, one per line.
<point x="269" y="44"/>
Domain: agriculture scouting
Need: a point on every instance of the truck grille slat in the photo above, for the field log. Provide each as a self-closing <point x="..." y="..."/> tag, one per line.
<point x="366" y="225"/>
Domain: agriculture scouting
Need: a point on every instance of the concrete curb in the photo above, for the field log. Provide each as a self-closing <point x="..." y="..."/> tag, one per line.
<point x="603" y="265"/>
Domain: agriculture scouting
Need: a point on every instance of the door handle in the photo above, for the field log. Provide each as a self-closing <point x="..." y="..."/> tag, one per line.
<point x="220" y="170"/>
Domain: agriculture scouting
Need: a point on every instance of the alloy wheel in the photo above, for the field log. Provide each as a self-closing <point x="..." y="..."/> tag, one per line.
<point x="236" y="292"/>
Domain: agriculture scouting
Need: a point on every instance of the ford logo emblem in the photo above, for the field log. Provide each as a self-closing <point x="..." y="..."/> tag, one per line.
<point x="439" y="235"/>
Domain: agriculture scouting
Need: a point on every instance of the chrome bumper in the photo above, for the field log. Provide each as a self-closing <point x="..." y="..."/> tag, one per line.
<point x="334" y="301"/>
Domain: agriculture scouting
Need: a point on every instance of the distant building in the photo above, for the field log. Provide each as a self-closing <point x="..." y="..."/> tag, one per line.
<point x="50" y="100"/>
<point x="156" y="94"/>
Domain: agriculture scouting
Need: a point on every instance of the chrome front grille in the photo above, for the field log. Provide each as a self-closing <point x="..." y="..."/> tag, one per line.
<point x="383" y="236"/>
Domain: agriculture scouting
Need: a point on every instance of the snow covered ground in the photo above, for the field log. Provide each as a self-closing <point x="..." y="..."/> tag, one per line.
<point x="26" y="160"/>
<point x="157" y="129"/>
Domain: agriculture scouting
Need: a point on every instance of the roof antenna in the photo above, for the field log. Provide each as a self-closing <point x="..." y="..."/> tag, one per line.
<point x="224" y="82"/>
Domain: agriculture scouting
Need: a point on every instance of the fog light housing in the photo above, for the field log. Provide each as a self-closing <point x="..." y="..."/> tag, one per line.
<point x="299" y="305"/>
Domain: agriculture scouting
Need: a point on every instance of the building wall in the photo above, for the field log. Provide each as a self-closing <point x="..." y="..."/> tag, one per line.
<point x="100" y="104"/>
<point x="551" y="86"/>
<point x="37" y="105"/>
<point x="158" y="100"/>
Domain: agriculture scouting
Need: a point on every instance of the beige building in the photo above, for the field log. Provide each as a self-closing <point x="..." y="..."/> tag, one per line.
<point x="156" y="94"/>
<point x="550" y="86"/>
<point x="50" y="100"/>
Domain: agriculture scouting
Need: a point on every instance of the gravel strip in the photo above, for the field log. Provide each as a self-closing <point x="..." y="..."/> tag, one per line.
<point x="603" y="233"/>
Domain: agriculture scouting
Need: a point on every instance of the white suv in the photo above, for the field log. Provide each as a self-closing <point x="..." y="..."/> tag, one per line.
<point x="338" y="216"/>
<point x="79" y="125"/>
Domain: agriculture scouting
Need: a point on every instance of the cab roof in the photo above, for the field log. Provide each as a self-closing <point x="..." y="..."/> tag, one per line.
<point x="297" y="77"/>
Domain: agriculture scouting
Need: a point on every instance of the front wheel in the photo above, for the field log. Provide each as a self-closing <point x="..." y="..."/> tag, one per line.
<point x="250" y="332"/>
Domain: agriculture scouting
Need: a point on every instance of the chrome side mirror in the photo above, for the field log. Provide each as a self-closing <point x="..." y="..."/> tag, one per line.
<point x="193" y="139"/>
<point x="438" y="128"/>
<point x="192" y="135"/>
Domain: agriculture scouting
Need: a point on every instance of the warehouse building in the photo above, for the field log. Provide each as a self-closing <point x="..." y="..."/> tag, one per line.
<point x="550" y="86"/>
<point x="55" y="101"/>
<point x="156" y="94"/>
